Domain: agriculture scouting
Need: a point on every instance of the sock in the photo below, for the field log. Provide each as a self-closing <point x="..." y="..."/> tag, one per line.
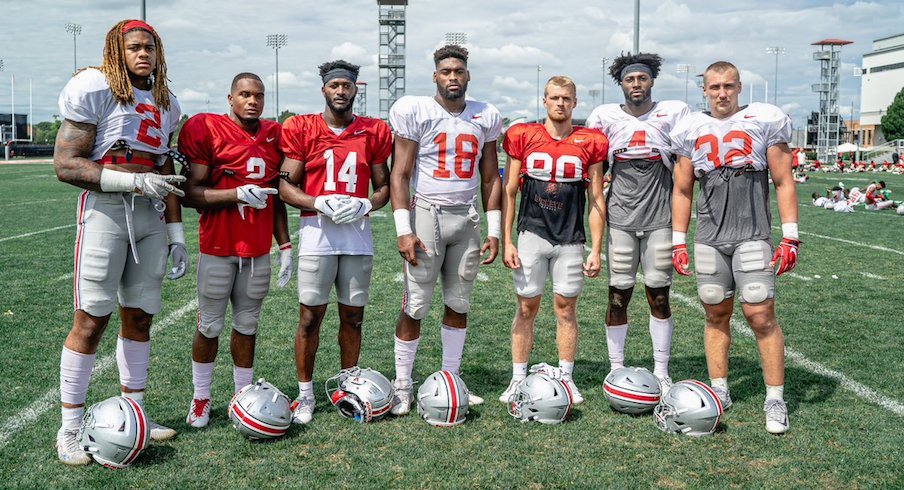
<point x="719" y="383"/>
<point x="201" y="376"/>
<point x="661" y="334"/>
<point x="72" y="417"/>
<point x="567" y="367"/>
<point x="615" y="342"/>
<point x="305" y="389"/>
<point x="242" y="377"/>
<point x="519" y="370"/>
<point x="775" y="392"/>
<point x="453" y="346"/>
<point x="405" y="351"/>
<point x="132" y="359"/>
<point x="75" y="374"/>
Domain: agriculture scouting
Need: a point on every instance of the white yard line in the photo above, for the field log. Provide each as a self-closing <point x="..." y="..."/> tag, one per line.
<point x="850" y="242"/>
<point x="51" y="398"/>
<point x="36" y="232"/>
<point x="25" y="203"/>
<point x="799" y="277"/>
<point x="872" y="276"/>
<point x="63" y="277"/>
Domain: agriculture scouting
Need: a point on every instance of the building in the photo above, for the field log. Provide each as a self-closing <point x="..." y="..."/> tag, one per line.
<point x="882" y="78"/>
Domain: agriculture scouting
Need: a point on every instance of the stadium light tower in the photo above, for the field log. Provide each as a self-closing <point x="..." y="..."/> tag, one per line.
<point x="593" y="93"/>
<point x="277" y="41"/>
<point x="776" y="50"/>
<point x="458" y="38"/>
<point x="393" y="35"/>
<point x="75" y="30"/>
<point x="604" y="60"/>
<point x="539" y="69"/>
<point x="686" y="69"/>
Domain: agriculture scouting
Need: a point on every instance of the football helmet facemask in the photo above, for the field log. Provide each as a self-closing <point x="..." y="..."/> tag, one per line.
<point x="542" y="397"/>
<point x="363" y="395"/>
<point x="690" y="408"/>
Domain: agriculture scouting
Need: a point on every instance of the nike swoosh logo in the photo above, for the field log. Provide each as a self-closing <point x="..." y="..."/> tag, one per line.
<point x="270" y="140"/>
<point x="661" y="115"/>
<point x="748" y="116"/>
<point x="578" y="141"/>
<point x="360" y="131"/>
<point x="476" y="117"/>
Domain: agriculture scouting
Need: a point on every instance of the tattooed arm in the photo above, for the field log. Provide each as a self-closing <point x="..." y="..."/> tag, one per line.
<point x="70" y="155"/>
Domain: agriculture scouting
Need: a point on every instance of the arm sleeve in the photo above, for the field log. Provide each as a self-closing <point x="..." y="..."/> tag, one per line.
<point x="778" y="131"/>
<point x="403" y="121"/>
<point x="292" y="138"/>
<point x="594" y="121"/>
<point x="82" y="99"/>
<point x="194" y="141"/>
<point x="381" y="144"/>
<point x="600" y="148"/>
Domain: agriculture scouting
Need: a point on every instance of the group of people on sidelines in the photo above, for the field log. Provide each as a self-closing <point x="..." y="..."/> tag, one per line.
<point x="240" y="171"/>
<point x="876" y="196"/>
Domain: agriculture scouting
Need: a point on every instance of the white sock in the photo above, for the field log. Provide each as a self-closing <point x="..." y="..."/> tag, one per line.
<point x="305" y="389"/>
<point x="242" y="377"/>
<point x="615" y="342"/>
<point x="72" y="417"/>
<point x="75" y="374"/>
<point x="775" y="392"/>
<point x="201" y="376"/>
<point x="566" y="366"/>
<point x="661" y="334"/>
<point x="132" y="359"/>
<point x="719" y="383"/>
<point x="453" y="347"/>
<point x="405" y="351"/>
<point x="519" y="370"/>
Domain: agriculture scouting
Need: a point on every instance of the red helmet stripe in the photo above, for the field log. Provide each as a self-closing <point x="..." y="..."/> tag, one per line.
<point x="453" y="395"/>
<point x="140" y="441"/>
<point x="628" y="395"/>
<point x="255" y="424"/>
<point x="570" y="398"/>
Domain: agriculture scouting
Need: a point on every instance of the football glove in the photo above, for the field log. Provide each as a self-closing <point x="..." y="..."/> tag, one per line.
<point x="328" y="205"/>
<point x="253" y="196"/>
<point x="286" y="264"/>
<point x="680" y="259"/>
<point x="353" y="210"/>
<point x="157" y="186"/>
<point x="178" y="258"/>
<point x="785" y="255"/>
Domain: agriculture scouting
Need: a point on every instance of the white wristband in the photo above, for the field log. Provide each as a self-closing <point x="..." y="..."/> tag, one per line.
<point x="175" y="232"/>
<point x="116" y="181"/>
<point x="494" y="223"/>
<point x="402" y="219"/>
<point x="789" y="230"/>
<point x="679" y="238"/>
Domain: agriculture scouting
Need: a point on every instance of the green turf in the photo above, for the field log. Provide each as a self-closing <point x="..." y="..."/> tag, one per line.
<point x="851" y="325"/>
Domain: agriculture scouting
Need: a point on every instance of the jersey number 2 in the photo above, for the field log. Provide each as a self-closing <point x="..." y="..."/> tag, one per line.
<point x="147" y="124"/>
<point x="348" y="173"/>
<point x="462" y="155"/>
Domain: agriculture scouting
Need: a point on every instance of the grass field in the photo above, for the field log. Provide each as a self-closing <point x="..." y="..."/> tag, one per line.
<point x="845" y="386"/>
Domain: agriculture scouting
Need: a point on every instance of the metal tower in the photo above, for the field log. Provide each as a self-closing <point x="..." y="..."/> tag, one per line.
<point x="392" y="53"/>
<point x="361" y="99"/>
<point x="828" y="128"/>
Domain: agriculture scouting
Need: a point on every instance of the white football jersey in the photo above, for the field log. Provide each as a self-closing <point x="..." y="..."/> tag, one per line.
<point x="87" y="98"/>
<point x="737" y="141"/>
<point x="449" y="147"/>
<point x="634" y="138"/>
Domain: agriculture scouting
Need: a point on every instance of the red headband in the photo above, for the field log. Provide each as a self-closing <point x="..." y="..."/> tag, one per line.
<point x="136" y="24"/>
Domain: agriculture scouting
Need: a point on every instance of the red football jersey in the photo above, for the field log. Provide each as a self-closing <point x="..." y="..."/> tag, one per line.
<point x="235" y="158"/>
<point x="336" y="164"/>
<point x="545" y="158"/>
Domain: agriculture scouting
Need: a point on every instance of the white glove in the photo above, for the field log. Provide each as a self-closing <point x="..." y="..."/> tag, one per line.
<point x="286" y="264"/>
<point x="353" y="210"/>
<point x="157" y="186"/>
<point x="254" y="196"/>
<point x="328" y="205"/>
<point x="179" y="259"/>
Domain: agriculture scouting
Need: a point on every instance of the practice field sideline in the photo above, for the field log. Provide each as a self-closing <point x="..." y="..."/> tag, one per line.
<point x="845" y="385"/>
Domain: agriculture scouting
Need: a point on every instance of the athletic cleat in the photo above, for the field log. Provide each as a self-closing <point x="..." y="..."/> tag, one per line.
<point x="776" y="416"/>
<point x="404" y="393"/>
<point x="474" y="400"/>
<point x="160" y="433"/>
<point x="724" y="398"/>
<point x="576" y="396"/>
<point x="302" y="410"/>
<point x="68" y="449"/>
<point x="509" y="393"/>
<point x="198" y="413"/>
<point x="665" y="384"/>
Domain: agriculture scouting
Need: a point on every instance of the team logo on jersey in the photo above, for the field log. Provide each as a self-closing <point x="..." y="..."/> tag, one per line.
<point x="360" y="131"/>
<point x="661" y="115"/>
<point x="749" y="116"/>
<point x="475" y="116"/>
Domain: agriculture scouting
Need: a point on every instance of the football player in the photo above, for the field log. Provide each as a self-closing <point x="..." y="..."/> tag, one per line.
<point x="235" y="161"/>
<point x="732" y="151"/>
<point x="332" y="160"/>
<point x="445" y="148"/>
<point x="639" y="205"/>
<point x="113" y="142"/>
<point x="551" y="164"/>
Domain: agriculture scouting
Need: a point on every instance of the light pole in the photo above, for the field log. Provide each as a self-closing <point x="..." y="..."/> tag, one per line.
<point x="277" y="41"/>
<point x="144" y="11"/>
<point x="604" y="60"/>
<point x="593" y="93"/>
<point x="636" y="26"/>
<point x="75" y="30"/>
<point x="776" y="50"/>
<point x="539" y="68"/>
<point x="686" y="69"/>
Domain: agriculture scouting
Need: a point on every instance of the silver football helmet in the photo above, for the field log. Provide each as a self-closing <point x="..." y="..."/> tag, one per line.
<point x="632" y="390"/>
<point x="690" y="408"/>
<point x="364" y="395"/>
<point x="541" y="397"/>
<point x="260" y="411"/>
<point x="442" y="399"/>
<point x="115" y="431"/>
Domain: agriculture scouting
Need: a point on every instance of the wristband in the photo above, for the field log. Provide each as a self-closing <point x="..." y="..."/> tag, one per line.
<point x="285" y="246"/>
<point x="679" y="238"/>
<point x="789" y="230"/>
<point x="402" y="219"/>
<point x="116" y="181"/>
<point x="494" y="223"/>
<point x="175" y="232"/>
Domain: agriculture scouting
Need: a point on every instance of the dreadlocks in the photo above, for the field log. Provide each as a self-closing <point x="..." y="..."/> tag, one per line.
<point x="653" y="61"/>
<point x="117" y="74"/>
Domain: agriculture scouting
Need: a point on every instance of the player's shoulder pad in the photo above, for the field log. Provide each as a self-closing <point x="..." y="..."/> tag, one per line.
<point x="590" y="133"/>
<point x="672" y="106"/>
<point x="766" y="112"/>
<point x="408" y="103"/>
<point x="89" y="80"/>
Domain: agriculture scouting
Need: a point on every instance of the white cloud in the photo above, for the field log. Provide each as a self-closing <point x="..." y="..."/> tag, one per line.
<point x="189" y="95"/>
<point x="353" y="53"/>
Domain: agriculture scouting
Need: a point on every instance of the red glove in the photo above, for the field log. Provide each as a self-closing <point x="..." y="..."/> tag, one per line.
<point x="785" y="256"/>
<point x="680" y="259"/>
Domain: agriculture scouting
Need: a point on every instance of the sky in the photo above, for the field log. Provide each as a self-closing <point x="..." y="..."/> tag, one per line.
<point x="207" y="42"/>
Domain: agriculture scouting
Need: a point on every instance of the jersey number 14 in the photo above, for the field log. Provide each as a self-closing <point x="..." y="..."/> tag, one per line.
<point x="348" y="173"/>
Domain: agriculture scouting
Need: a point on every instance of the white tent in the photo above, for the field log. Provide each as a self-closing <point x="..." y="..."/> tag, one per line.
<point x="846" y="147"/>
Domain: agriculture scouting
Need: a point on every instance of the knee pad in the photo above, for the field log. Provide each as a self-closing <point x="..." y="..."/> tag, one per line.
<point x="754" y="292"/>
<point x="211" y="328"/>
<point x="470" y="263"/>
<point x="459" y="305"/>
<point x="357" y="298"/>
<point x="245" y="323"/>
<point x="711" y="294"/>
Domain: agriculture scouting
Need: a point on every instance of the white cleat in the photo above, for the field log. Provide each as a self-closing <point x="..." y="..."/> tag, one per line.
<point x="68" y="449"/>
<point x="724" y="398"/>
<point x="665" y="384"/>
<point x="404" y="393"/>
<point x="474" y="400"/>
<point x="302" y="410"/>
<point x="776" y="416"/>
<point x="198" y="414"/>
<point x="509" y="393"/>
<point x="576" y="396"/>
<point x="160" y="433"/>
